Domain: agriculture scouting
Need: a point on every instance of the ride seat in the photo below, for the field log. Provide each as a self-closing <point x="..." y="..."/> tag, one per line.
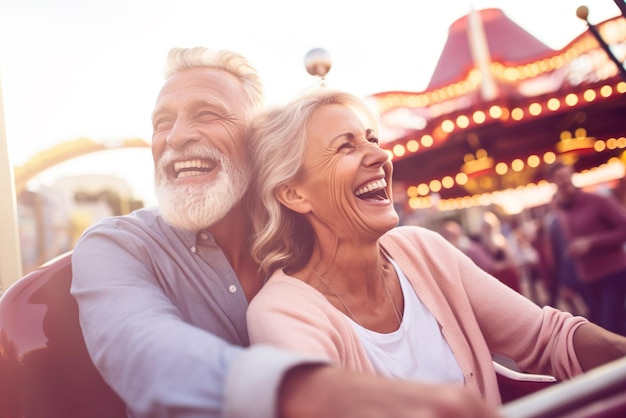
<point x="45" y="370"/>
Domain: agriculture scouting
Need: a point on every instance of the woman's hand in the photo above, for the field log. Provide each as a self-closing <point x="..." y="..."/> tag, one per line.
<point x="596" y="346"/>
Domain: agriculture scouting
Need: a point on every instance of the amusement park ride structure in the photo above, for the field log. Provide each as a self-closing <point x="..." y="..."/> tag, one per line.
<point x="64" y="151"/>
<point x="499" y="107"/>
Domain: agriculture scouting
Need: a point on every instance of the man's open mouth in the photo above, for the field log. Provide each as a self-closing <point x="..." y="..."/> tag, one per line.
<point x="194" y="167"/>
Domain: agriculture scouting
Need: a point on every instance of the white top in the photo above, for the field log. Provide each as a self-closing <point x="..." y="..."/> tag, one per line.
<point x="417" y="349"/>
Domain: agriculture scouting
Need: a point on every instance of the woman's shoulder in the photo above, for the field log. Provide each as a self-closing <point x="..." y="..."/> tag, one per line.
<point x="416" y="244"/>
<point x="286" y="301"/>
<point x="282" y="291"/>
<point x="414" y="234"/>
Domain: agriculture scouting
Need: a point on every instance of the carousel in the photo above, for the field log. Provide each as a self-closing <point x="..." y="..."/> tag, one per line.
<point x="500" y="107"/>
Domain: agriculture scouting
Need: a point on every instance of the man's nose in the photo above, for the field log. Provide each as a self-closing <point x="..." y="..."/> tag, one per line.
<point x="182" y="134"/>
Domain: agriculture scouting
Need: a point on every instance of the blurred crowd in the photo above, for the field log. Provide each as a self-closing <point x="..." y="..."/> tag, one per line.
<point x="571" y="256"/>
<point x="518" y="254"/>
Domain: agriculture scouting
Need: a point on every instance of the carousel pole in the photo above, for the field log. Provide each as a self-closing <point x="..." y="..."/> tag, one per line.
<point x="622" y="6"/>
<point x="583" y="13"/>
<point x="10" y="255"/>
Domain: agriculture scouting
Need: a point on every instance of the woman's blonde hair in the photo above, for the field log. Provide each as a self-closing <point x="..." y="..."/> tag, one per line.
<point x="284" y="239"/>
<point x="182" y="59"/>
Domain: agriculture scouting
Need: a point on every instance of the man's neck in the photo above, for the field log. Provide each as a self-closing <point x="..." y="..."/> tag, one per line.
<point x="233" y="234"/>
<point x="568" y="200"/>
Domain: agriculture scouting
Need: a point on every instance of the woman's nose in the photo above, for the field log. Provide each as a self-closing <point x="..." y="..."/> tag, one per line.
<point x="374" y="155"/>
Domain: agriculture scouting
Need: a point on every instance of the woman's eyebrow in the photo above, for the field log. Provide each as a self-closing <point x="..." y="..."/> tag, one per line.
<point x="347" y="135"/>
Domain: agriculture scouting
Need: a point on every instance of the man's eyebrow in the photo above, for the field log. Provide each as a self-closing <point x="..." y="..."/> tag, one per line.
<point x="163" y="109"/>
<point x="213" y="103"/>
<point x="217" y="105"/>
<point x="160" y="110"/>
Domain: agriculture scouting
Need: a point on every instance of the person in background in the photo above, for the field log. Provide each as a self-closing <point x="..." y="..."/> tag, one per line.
<point x="494" y="253"/>
<point x="544" y="283"/>
<point x="567" y="287"/>
<point x="521" y="241"/>
<point x="347" y="284"/>
<point x="489" y="251"/>
<point x="162" y="293"/>
<point x="592" y="230"/>
<point x="454" y="233"/>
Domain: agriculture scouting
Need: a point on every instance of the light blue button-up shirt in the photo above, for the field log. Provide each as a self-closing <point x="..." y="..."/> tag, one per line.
<point x="163" y="316"/>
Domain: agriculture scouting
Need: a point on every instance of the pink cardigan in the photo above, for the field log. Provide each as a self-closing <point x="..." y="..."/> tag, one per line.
<point x="477" y="314"/>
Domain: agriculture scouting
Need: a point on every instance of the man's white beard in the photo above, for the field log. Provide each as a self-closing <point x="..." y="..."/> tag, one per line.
<point x="197" y="206"/>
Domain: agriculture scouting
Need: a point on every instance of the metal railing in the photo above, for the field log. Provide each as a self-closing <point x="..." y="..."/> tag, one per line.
<point x="604" y="387"/>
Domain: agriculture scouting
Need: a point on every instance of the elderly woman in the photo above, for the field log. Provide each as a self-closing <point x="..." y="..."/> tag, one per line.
<point x="348" y="285"/>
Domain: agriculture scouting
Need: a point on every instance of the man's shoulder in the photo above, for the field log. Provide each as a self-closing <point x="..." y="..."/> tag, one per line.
<point x="142" y="223"/>
<point x="141" y="218"/>
<point x="592" y="198"/>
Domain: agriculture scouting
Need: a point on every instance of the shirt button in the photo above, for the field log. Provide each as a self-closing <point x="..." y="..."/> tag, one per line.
<point x="193" y="249"/>
<point x="232" y="288"/>
<point x="204" y="236"/>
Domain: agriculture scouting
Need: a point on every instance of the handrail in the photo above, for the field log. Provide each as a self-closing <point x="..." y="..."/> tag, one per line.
<point x="602" y="380"/>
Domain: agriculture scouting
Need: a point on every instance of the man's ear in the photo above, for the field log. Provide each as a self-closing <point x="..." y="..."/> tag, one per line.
<point x="292" y="199"/>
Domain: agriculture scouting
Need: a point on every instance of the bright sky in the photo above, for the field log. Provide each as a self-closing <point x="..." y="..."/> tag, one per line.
<point x="80" y="68"/>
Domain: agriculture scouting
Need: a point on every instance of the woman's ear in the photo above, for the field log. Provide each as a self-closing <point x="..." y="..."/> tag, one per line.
<point x="292" y="199"/>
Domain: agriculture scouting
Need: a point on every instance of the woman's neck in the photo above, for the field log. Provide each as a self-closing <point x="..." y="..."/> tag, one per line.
<point x="362" y="283"/>
<point x="358" y="266"/>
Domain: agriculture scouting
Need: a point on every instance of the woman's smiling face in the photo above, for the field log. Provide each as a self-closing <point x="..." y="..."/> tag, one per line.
<point x="346" y="176"/>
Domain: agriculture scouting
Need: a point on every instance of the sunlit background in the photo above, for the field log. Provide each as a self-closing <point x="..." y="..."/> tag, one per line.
<point x="86" y="73"/>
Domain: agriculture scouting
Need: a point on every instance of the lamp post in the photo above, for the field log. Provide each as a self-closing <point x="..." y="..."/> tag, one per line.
<point x="10" y="255"/>
<point x="583" y="13"/>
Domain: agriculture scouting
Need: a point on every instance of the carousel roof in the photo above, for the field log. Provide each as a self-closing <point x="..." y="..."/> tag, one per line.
<point x="500" y="106"/>
<point x="506" y="41"/>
